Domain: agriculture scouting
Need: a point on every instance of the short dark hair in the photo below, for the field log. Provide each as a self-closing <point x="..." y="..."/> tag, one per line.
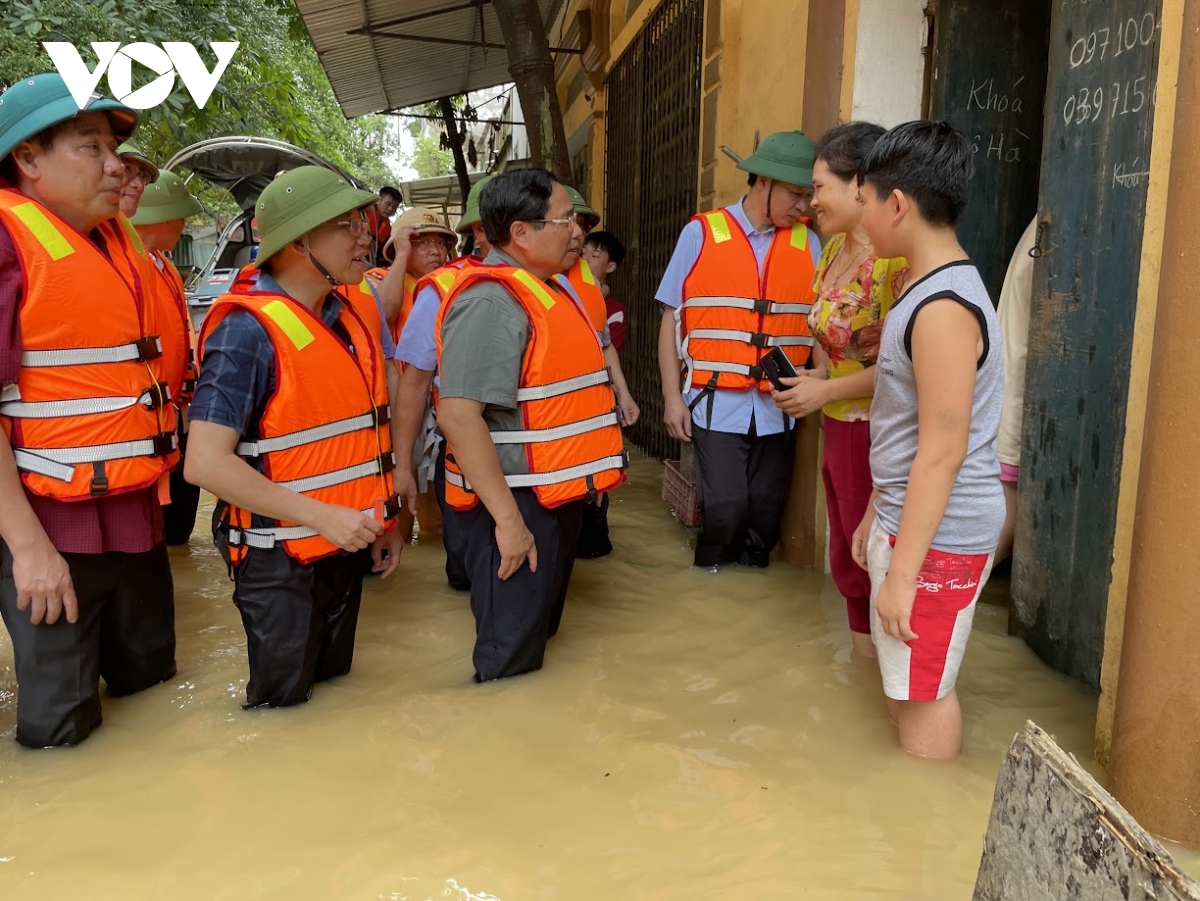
<point x="518" y="195"/>
<point x="389" y="191"/>
<point x="844" y="147"/>
<point x="10" y="171"/>
<point x="931" y="162"/>
<point x="607" y="242"/>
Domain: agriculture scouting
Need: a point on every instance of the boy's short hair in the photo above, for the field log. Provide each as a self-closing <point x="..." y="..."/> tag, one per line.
<point x="607" y="242"/>
<point x="389" y="191"/>
<point x="931" y="162"/>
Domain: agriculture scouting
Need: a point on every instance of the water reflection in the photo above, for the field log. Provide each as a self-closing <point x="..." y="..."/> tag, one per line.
<point x="692" y="736"/>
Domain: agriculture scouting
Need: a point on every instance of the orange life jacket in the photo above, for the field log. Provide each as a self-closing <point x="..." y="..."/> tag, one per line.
<point x="572" y="434"/>
<point x="324" y="432"/>
<point x="442" y="280"/>
<point x="581" y="279"/>
<point x="178" y="332"/>
<point x="90" y="414"/>
<point x="731" y="316"/>
<point x="246" y="279"/>
<point x="406" y="302"/>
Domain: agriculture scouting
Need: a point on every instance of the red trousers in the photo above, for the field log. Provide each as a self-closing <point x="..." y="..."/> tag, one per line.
<point x="847" y="473"/>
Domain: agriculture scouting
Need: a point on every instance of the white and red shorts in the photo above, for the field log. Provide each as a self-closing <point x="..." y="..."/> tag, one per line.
<point x="948" y="588"/>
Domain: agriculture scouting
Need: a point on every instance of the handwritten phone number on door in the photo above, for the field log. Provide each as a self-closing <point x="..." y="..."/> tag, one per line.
<point x="1127" y="36"/>
<point x="1087" y="105"/>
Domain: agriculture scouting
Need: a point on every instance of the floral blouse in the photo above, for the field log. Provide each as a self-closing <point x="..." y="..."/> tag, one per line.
<point x="848" y="321"/>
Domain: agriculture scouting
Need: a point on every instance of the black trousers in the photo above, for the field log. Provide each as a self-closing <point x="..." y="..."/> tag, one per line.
<point x="179" y="516"/>
<point x="125" y="634"/>
<point x="300" y="620"/>
<point x="593" y="532"/>
<point x="453" y="539"/>
<point x="515" y="617"/>
<point x="743" y="484"/>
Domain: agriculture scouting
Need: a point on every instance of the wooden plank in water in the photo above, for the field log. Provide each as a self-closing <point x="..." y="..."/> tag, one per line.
<point x="1056" y="835"/>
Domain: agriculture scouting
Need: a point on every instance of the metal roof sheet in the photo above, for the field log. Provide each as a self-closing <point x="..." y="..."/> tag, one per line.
<point x="371" y="73"/>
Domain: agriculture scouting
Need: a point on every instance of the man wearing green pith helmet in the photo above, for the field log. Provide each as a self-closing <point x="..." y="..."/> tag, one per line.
<point x="85" y="433"/>
<point x="159" y="218"/>
<point x="290" y="429"/>
<point x="738" y="287"/>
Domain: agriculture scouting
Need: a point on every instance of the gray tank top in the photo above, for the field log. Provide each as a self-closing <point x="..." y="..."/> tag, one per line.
<point x="975" y="513"/>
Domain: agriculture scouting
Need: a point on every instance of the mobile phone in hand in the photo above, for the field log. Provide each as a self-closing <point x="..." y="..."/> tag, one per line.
<point x="776" y="366"/>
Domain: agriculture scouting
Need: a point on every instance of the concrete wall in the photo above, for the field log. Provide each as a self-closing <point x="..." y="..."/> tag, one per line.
<point x="889" y="67"/>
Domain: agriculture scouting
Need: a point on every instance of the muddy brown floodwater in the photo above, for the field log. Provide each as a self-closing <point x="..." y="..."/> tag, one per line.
<point x="691" y="736"/>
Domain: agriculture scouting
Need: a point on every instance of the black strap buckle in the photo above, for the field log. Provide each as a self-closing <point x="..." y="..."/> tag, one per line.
<point x="189" y="386"/>
<point x="762" y="305"/>
<point x="164" y="444"/>
<point x="387" y="463"/>
<point x="756" y="372"/>
<point x="99" y="486"/>
<point x="148" y="348"/>
<point x="760" y="339"/>
<point x="383" y="414"/>
<point x="391" y="507"/>
<point x="159" y="395"/>
<point x="624" y="460"/>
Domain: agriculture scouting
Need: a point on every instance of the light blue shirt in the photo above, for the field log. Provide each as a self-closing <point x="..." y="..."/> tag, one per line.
<point x="732" y="411"/>
<point x="418" y="341"/>
<point x="389" y="345"/>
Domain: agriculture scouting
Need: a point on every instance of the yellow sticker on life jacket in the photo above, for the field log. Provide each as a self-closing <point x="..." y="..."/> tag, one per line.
<point x="131" y="232"/>
<point x="445" y="280"/>
<point x="719" y="226"/>
<point x="800" y="236"/>
<point x="531" y="282"/>
<point x="43" y="229"/>
<point x="586" y="272"/>
<point x="365" y="287"/>
<point x="281" y="314"/>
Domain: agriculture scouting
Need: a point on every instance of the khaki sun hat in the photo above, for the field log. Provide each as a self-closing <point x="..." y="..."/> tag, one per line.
<point x="297" y="202"/>
<point x="786" y="156"/>
<point x="425" y="222"/>
<point x="166" y="200"/>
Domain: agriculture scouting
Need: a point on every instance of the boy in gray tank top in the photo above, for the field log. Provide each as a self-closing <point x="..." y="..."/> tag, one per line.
<point x="930" y="533"/>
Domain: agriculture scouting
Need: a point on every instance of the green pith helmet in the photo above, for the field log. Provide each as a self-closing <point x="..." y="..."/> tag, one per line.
<point x="297" y="202"/>
<point x="470" y="215"/>
<point x="786" y="156"/>
<point x="34" y="104"/>
<point x="166" y="200"/>
<point x="129" y="151"/>
<point x="582" y="209"/>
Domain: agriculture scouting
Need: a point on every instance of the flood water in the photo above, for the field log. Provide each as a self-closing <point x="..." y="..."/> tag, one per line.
<point x="692" y="736"/>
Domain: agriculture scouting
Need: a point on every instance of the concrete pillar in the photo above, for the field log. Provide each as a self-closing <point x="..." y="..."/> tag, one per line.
<point x="1153" y="764"/>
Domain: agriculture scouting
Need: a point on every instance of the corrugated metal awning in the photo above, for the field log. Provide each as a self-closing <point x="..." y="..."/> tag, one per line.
<point x="440" y="55"/>
<point x="441" y="192"/>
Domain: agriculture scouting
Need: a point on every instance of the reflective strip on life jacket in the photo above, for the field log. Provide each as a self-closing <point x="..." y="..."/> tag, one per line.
<point x="267" y="538"/>
<point x="60" y="462"/>
<point x="379" y="417"/>
<point x="763" y="305"/>
<point x="86" y="406"/>
<point x="556" y="433"/>
<point x="142" y="351"/>
<point x="375" y="467"/>
<point x="566" y="386"/>
<point x="557" y="477"/>
<point x="757" y="339"/>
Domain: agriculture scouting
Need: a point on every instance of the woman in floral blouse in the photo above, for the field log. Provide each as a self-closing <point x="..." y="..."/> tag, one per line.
<point x="854" y="292"/>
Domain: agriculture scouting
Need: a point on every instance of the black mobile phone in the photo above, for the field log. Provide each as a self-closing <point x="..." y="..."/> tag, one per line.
<point x="776" y="366"/>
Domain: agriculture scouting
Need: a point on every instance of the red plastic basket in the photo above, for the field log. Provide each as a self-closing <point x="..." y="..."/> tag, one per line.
<point x="681" y="496"/>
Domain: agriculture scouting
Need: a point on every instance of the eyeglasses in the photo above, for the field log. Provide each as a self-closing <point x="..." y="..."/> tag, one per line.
<point x="357" y="225"/>
<point x="431" y="244"/>
<point x="137" y="172"/>
<point x="568" y="221"/>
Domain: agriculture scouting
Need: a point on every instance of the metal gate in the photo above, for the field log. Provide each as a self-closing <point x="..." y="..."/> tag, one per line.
<point x="652" y="166"/>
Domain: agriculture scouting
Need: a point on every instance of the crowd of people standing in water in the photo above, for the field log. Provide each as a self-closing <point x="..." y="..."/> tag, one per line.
<point x="359" y="377"/>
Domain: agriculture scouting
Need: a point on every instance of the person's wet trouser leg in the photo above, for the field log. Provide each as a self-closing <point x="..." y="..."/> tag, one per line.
<point x="512" y="617"/>
<point x="722" y="464"/>
<point x="453" y="539"/>
<point x="179" y="516"/>
<point x="593" y="532"/>
<point x="767" y="476"/>
<point x="300" y="621"/>
<point x="570" y="521"/>
<point x="125" y="632"/>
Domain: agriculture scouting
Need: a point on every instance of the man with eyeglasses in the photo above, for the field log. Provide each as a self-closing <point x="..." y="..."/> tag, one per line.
<point x="139" y="172"/>
<point x="739" y="285"/>
<point x="529" y="414"/>
<point x="290" y="429"/>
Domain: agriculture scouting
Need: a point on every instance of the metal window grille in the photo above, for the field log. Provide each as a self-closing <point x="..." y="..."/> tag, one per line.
<point x="652" y="166"/>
